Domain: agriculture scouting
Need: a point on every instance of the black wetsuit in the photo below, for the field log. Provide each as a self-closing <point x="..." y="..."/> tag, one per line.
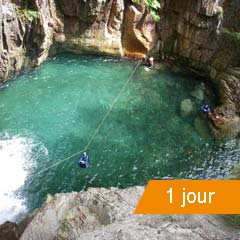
<point x="150" y="64"/>
<point x="83" y="162"/>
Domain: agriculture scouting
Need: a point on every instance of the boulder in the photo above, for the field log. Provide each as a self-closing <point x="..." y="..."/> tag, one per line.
<point x="202" y="128"/>
<point x="198" y="92"/>
<point x="8" y="231"/>
<point x="100" y="213"/>
<point x="186" y="107"/>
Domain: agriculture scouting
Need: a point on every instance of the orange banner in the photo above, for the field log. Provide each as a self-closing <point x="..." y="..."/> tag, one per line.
<point x="190" y="197"/>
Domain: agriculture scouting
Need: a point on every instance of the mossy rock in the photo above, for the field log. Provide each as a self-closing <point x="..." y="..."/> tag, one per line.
<point x="202" y="128"/>
<point x="198" y="92"/>
<point x="28" y="15"/>
<point x="186" y="107"/>
<point x="169" y="218"/>
<point x="234" y="219"/>
<point x="235" y="174"/>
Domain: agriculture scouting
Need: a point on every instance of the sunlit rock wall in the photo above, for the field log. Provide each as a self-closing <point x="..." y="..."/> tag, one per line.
<point x="25" y="34"/>
<point x="110" y="26"/>
<point x="94" y="25"/>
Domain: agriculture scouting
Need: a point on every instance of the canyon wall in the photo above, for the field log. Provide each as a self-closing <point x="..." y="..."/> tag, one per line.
<point x="108" y="26"/>
<point x="29" y="30"/>
<point x="25" y="35"/>
<point x="100" y="213"/>
<point x="204" y="35"/>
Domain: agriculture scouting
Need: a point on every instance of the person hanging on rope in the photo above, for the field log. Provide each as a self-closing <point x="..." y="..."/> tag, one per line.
<point x="84" y="160"/>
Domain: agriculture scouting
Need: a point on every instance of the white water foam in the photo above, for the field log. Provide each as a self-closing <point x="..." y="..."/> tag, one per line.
<point x="15" y="156"/>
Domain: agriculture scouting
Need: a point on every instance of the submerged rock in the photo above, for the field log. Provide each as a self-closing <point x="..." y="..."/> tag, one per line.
<point x="202" y="128"/>
<point x="186" y="107"/>
<point x="198" y="92"/>
<point x="160" y="66"/>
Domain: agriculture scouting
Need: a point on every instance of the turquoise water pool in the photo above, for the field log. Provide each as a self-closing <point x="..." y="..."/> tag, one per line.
<point x="51" y="112"/>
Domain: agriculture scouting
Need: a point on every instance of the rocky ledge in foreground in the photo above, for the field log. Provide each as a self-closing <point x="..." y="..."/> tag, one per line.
<point x="102" y="213"/>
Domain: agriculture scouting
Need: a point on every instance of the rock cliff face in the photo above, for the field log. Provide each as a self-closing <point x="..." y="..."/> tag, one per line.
<point x="111" y="26"/>
<point x="108" y="214"/>
<point x="29" y="28"/>
<point x="90" y="25"/>
<point x="25" y="35"/>
<point x="203" y="35"/>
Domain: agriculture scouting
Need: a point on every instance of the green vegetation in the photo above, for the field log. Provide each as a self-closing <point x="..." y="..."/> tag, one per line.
<point x="169" y="218"/>
<point x="234" y="219"/>
<point x="31" y="15"/>
<point x="65" y="225"/>
<point x="231" y="35"/>
<point x="28" y="15"/>
<point x="153" y="6"/>
<point x="235" y="174"/>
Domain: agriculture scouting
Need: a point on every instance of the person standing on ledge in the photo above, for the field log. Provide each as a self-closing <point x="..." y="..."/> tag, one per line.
<point x="84" y="160"/>
<point x="205" y="108"/>
<point x="149" y="61"/>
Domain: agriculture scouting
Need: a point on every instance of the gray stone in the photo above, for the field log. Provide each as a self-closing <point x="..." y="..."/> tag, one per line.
<point x="100" y="213"/>
<point x="186" y="107"/>
<point x="198" y="92"/>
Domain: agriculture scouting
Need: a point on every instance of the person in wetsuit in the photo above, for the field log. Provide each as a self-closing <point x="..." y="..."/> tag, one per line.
<point x="150" y="62"/>
<point x="205" y="108"/>
<point x="84" y="160"/>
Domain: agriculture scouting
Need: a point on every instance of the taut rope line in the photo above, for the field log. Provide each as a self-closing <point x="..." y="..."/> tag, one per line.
<point x="112" y="106"/>
<point x="97" y="129"/>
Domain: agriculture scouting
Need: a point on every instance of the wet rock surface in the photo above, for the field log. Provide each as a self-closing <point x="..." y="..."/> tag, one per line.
<point x="198" y="92"/>
<point x="201" y="128"/>
<point x="102" y="213"/>
<point x="202" y="36"/>
<point x="186" y="107"/>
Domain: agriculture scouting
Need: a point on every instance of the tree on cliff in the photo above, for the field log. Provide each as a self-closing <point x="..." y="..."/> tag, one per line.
<point x="153" y="6"/>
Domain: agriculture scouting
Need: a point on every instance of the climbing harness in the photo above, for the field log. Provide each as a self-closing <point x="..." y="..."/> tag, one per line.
<point x="84" y="161"/>
<point x="98" y="127"/>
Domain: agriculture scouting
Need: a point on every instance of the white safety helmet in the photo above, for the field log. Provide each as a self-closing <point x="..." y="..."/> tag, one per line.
<point x="151" y="58"/>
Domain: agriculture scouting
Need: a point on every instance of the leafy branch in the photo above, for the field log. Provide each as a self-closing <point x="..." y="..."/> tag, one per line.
<point x="153" y="6"/>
